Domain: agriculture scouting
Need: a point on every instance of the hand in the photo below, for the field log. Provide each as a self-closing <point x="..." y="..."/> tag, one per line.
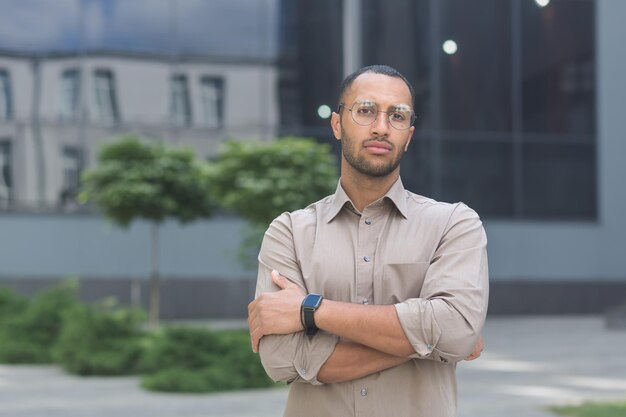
<point x="477" y="350"/>
<point x="276" y="312"/>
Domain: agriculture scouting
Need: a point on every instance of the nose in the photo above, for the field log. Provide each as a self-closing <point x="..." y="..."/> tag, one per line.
<point x="380" y="127"/>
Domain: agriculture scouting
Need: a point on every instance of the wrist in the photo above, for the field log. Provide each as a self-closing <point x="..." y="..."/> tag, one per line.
<point x="309" y="306"/>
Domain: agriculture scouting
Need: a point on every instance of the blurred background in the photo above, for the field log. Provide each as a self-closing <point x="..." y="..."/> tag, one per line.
<point x="519" y="105"/>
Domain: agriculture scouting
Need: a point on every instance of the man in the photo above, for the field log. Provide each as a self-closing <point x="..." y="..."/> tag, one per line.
<point x="368" y="298"/>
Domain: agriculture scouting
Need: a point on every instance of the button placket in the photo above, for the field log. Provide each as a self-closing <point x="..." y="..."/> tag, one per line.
<point x="366" y="248"/>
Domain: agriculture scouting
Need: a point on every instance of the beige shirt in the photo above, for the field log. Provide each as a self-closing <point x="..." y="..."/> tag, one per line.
<point x="427" y="258"/>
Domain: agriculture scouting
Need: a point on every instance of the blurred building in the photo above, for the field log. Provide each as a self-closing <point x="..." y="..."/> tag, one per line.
<point x="519" y="106"/>
<point x="57" y="109"/>
<point x="516" y="116"/>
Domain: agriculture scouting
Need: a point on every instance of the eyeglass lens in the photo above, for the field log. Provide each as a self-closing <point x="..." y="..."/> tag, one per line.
<point x="366" y="113"/>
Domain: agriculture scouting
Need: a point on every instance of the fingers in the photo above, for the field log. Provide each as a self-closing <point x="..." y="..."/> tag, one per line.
<point x="253" y="325"/>
<point x="478" y="348"/>
<point x="279" y="280"/>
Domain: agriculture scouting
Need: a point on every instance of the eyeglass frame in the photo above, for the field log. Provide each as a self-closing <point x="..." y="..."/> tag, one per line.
<point x="413" y="115"/>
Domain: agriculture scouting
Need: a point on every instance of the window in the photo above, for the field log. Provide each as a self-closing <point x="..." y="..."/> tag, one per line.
<point x="212" y="90"/>
<point x="479" y="173"/>
<point x="72" y="166"/>
<point x="506" y="121"/>
<point x="558" y="67"/>
<point x="70" y="93"/>
<point x="476" y="78"/>
<point x="5" y="173"/>
<point x="6" y="110"/>
<point x="180" y="104"/>
<point x="398" y="33"/>
<point x="106" y="100"/>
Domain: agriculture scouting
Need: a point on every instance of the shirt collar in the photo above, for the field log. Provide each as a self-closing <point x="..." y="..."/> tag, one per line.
<point x="396" y="195"/>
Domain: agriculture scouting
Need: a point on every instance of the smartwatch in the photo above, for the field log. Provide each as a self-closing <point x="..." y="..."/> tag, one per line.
<point x="309" y="305"/>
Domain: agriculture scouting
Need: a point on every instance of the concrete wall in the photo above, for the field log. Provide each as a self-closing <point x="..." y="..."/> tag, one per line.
<point x="52" y="246"/>
<point x="200" y="270"/>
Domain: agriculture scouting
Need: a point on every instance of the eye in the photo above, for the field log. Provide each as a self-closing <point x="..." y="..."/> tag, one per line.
<point x="399" y="116"/>
<point x="366" y="110"/>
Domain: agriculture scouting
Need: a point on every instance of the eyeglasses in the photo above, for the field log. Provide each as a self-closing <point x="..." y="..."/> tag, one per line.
<point x="365" y="113"/>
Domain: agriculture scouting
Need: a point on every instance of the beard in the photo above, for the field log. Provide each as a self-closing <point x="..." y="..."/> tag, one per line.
<point x="365" y="166"/>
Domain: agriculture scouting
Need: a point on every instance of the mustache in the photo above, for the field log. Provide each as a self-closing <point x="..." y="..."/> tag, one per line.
<point x="383" y="140"/>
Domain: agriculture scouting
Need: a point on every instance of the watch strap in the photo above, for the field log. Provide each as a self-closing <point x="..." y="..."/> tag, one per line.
<point x="310" y="304"/>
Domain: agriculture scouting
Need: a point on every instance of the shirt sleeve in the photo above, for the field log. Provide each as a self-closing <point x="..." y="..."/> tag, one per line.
<point x="292" y="357"/>
<point x="445" y="322"/>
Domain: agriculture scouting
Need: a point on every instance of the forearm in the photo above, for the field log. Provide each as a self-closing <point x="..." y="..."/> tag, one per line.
<point x="375" y="326"/>
<point x="350" y="361"/>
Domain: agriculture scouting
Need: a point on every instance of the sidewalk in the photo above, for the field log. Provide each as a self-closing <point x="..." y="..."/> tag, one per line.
<point x="528" y="363"/>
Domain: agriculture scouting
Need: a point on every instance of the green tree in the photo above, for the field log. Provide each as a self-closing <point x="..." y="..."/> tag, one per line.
<point x="260" y="180"/>
<point x="135" y="179"/>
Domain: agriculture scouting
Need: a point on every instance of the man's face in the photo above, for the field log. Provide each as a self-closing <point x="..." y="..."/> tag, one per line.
<point x="373" y="150"/>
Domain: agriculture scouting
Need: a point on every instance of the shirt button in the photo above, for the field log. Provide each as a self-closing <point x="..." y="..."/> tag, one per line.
<point x="365" y="301"/>
<point x="303" y="371"/>
<point x="429" y="346"/>
<point x="368" y="222"/>
<point x="367" y="258"/>
<point x="363" y="392"/>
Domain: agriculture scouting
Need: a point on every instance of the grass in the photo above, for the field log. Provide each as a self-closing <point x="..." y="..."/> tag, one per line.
<point x="593" y="410"/>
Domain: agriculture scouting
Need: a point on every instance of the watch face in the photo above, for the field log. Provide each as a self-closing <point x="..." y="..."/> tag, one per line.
<point x="312" y="301"/>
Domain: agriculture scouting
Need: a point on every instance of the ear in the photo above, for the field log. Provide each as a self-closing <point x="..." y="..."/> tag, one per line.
<point x="411" y="130"/>
<point x="335" y="123"/>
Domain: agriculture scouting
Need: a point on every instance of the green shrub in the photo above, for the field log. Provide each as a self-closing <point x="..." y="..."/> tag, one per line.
<point x="196" y="381"/>
<point x="199" y="360"/>
<point x="11" y="304"/>
<point x="29" y="335"/>
<point x="101" y="340"/>
<point x="591" y="409"/>
<point x="181" y="347"/>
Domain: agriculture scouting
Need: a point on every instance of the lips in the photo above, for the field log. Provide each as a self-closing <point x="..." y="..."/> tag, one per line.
<point x="378" y="147"/>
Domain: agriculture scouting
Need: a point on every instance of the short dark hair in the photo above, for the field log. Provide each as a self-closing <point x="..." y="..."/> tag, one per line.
<point x="374" y="69"/>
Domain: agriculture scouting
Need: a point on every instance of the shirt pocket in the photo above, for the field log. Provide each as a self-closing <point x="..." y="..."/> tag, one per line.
<point x="402" y="281"/>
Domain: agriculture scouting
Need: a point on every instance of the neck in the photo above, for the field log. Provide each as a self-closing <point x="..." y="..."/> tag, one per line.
<point x="363" y="189"/>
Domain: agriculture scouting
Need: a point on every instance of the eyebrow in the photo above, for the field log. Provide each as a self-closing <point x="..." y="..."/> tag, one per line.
<point x="401" y="106"/>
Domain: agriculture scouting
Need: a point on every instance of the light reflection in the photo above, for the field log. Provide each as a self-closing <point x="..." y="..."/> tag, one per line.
<point x="542" y="3"/>
<point x="324" y="111"/>
<point x="450" y="47"/>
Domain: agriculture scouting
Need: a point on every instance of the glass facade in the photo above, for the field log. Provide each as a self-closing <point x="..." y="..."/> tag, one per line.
<point x="505" y="99"/>
<point x="310" y="64"/>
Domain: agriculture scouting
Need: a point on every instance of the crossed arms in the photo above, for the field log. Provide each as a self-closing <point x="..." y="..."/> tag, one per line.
<point x="444" y="324"/>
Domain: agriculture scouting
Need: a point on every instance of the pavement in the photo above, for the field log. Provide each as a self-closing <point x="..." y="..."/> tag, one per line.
<point x="529" y="363"/>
